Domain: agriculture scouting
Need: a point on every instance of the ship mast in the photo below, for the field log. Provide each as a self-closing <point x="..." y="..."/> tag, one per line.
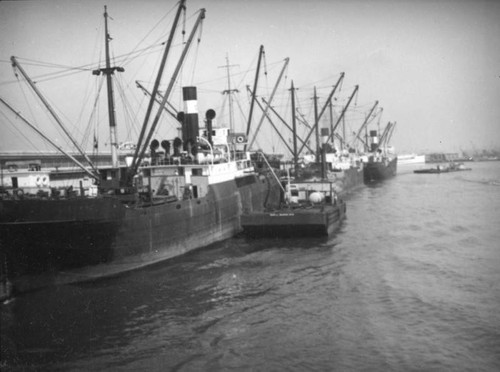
<point x="387" y="134"/>
<point x="280" y="135"/>
<point x="268" y="104"/>
<point x="170" y="109"/>
<point x="108" y="71"/>
<point x="330" y="111"/>
<point x="294" y="126"/>
<point x="316" y="124"/>
<point x="229" y="92"/>
<point x="330" y="137"/>
<point x="173" y="78"/>
<point x="261" y="52"/>
<point x="363" y="126"/>
<point x="323" y="110"/>
<point x="154" y="93"/>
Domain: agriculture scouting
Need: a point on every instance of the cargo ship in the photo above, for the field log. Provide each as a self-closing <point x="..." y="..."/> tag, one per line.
<point x="65" y="239"/>
<point x="139" y="214"/>
<point x="344" y="171"/>
<point x="343" y="168"/>
<point x="380" y="163"/>
<point x="379" y="168"/>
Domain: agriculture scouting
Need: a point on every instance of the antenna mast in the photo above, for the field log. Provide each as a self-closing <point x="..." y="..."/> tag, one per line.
<point x="294" y="126"/>
<point x="108" y="71"/>
<point x="230" y="92"/>
<point x="261" y="52"/>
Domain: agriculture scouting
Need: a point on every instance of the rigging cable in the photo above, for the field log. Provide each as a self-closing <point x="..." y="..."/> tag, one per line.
<point x="135" y="50"/>
<point x="127" y="116"/>
<point x="200" y="31"/>
<point x="265" y="71"/>
<point x="92" y="124"/>
<point x="15" y="128"/>
<point x="183" y="26"/>
<point x="242" y="112"/>
<point x="179" y="81"/>
<point x="23" y="92"/>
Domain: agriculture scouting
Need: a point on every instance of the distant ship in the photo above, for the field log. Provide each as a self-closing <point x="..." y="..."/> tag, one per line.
<point x="380" y="163"/>
<point x="408" y="159"/>
<point x="344" y="170"/>
<point x="380" y="168"/>
<point x="342" y="167"/>
<point x="182" y="200"/>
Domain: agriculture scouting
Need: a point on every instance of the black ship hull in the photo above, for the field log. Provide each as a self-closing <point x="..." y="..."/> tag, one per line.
<point x="379" y="170"/>
<point x="84" y="239"/>
<point x="289" y="222"/>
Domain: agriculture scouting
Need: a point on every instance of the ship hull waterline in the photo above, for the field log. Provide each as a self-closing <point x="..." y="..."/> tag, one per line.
<point x="41" y="250"/>
<point x="289" y="222"/>
<point x="379" y="170"/>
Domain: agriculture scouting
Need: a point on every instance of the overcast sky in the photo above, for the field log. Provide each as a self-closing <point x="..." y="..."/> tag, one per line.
<point x="434" y="66"/>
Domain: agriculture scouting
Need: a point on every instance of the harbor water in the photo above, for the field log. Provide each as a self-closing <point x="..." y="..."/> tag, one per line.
<point x="411" y="282"/>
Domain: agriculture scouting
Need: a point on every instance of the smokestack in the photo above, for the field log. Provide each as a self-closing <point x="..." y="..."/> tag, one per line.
<point x="374" y="140"/>
<point x="190" y="126"/>
<point x="210" y="115"/>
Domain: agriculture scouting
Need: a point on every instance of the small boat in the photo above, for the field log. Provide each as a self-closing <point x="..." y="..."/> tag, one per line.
<point x="452" y="167"/>
<point x="309" y="209"/>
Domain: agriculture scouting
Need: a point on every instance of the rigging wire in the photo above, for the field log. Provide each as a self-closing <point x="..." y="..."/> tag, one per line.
<point x="15" y="129"/>
<point x="242" y="112"/>
<point x="184" y="26"/>
<point x="223" y="105"/>
<point x="128" y="117"/>
<point x="71" y="70"/>
<point x="160" y="21"/>
<point x="200" y="31"/>
<point x="264" y="59"/>
<point x="42" y="79"/>
<point x="89" y="95"/>
<point x="184" y="19"/>
<point x="278" y="93"/>
<point x="24" y="94"/>
<point x="92" y="122"/>
<point x="94" y="90"/>
<point x="181" y="72"/>
<point x="127" y="58"/>
<point x="33" y="62"/>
